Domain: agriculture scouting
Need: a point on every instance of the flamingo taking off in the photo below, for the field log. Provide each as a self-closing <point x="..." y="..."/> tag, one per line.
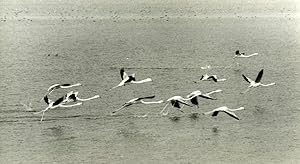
<point x="138" y="101"/>
<point x="129" y="79"/>
<point x="214" y="78"/>
<point x="226" y="110"/>
<point x="255" y="83"/>
<point x="242" y="55"/>
<point x="61" y="102"/>
<point x="175" y="102"/>
<point x="194" y="96"/>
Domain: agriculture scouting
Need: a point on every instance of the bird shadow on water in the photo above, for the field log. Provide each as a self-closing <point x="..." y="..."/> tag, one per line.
<point x="194" y="116"/>
<point x="175" y="118"/>
<point x="58" y="133"/>
<point x="258" y="110"/>
<point x="215" y="131"/>
<point x="131" y="133"/>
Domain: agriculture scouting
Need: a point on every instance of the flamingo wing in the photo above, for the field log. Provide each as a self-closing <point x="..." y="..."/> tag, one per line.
<point x="210" y="112"/>
<point x="175" y="103"/>
<point x="215" y="91"/>
<point x="54" y="86"/>
<point x="259" y="76"/>
<point x="141" y="81"/>
<point x="215" y="113"/>
<point x="123" y="74"/>
<point x="182" y="102"/>
<point x="246" y="78"/>
<point x="129" y="79"/>
<point x="232" y="114"/>
<point x="252" y="54"/>
<point x="65" y="85"/>
<point x="58" y="101"/>
<point x="148" y="97"/>
<point x="69" y="85"/>
<point x="68" y="106"/>
<point x="213" y="78"/>
<point x="201" y="78"/>
<point x="194" y="101"/>
<point x="47" y="100"/>
<point x="206" y="97"/>
<point x="127" y="104"/>
<point x="73" y="97"/>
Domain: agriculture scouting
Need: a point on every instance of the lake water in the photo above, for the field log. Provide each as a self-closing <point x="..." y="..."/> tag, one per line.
<point x="169" y="42"/>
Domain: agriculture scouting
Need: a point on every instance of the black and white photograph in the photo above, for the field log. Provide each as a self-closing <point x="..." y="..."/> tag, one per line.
<point x="150" y="81"/>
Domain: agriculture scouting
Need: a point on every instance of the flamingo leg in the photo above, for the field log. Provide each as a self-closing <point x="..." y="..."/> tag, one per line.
<point x="164" y="108"/>
<point x="245" y="91"/>
<point x="180" y="109"/>
<point x="42" y="116"/>
<point x="197" y="107"/>
<point x="42" y="111"/>
<point x="166" y="113"/>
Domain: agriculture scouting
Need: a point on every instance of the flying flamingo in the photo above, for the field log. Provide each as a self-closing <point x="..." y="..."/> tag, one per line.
<point x="138" y="101"/>
<point x="129" y="79"/>
<point x="255" y="83"/>
<point x="214" y="78"/>
<point x="194" y="96"/>
<point x="175" y="102"/>
<point x="226" y="110"/>
<point x="242" y="55"/>
<point x="61" y="102"/>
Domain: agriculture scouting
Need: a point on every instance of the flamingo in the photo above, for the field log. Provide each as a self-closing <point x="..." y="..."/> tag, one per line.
<point x="57" y="86"/>
<point x="175" y="102"/>
<point x="242" y="55"/>
<point x="226" y="110"/>
<point x="138" y="100"/>
<point x="129" y="79"/>
<point x="61" y="102"/>
<point x="255" y="83"/>
<point x="207" y="77"/>
<point x="195" y="94"/>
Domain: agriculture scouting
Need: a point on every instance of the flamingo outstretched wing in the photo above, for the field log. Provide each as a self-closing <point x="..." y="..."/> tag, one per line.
<point x="246" y="78"/>
<point x="123" y="74"/>
<point x="213" y="78"/>
<point x="147" y="97"/>
<point x="231" y="114"/>
<point x="259" y="76"/>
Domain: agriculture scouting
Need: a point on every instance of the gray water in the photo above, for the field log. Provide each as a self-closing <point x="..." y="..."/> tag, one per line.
<point x="168" y="42"/>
